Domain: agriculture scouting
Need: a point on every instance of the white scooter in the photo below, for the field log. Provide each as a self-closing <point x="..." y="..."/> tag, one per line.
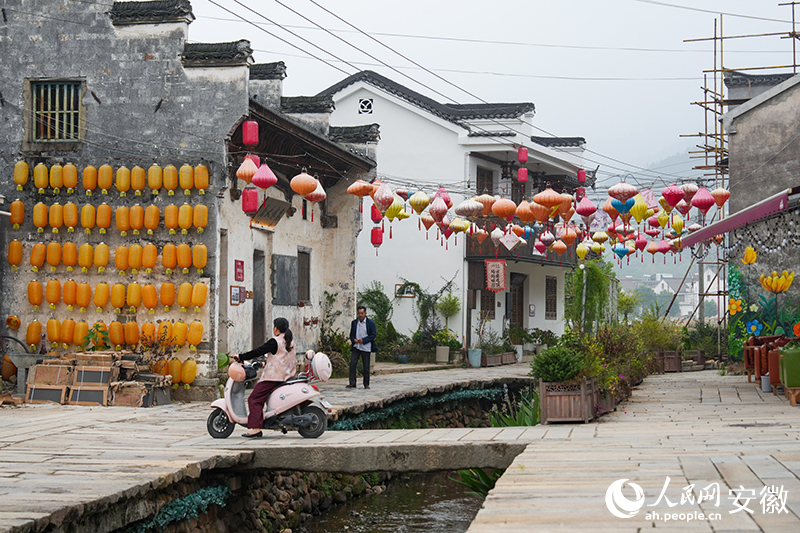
<point x="297" y="404"/>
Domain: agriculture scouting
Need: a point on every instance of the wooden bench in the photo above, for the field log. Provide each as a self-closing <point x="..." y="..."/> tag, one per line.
<point x="752" y="352"/>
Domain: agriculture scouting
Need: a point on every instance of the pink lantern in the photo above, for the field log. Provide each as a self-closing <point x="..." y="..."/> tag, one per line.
<point x="547" y="239"/>
<point x="623" y="191"/>
<point x="720" y="196"/>
<point x="250" y="200"/>
<point x="673" y="194"/>
<point x="664" y="247"/>
<point x="522" y="175"/>
<point x="586" y="207"/>
<point x="317" y="195"/>
<point x="690" y="189"/>
<point x="683" y="207"/>
<point x="641" y="242"/>
<point x="250" y="133"/>
<point x="264" y="177"/>
<point x="653" y="232"/>
<point x="254" y="158"/>
<point x="402" y="192"/>
<point x="581" y="176"/>
<point x="522" y="154"/>
<point x="703" y="200"/>
<point x="438" y="209"/>
<point x="580" y="193"/>
<point x="442" y="193"/>
<point x="540" y="247"/>
<point x="383" y="197"/>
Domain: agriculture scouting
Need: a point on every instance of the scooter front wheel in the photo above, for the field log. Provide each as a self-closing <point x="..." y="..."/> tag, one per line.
<point x="319" y="422"/>
<point x="219" y="425"/>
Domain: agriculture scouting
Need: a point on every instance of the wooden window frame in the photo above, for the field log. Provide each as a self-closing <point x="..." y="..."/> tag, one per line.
<point x="550" y="298"/>
<point x="75" y="115"/>
<point x="304" y="276"/>
<point x="487" y="309"/>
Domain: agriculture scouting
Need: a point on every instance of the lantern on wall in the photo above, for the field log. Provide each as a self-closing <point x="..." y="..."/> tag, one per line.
<point x="133" y="296"/>
<point x="54" y="332"/>
<point x="138" y="180"/>
<point x="53" y="255"/>
<point x="250" y="200"/>
<point x="200" y="217"/>
<point x="40" y="213"/>
<point x="40" y="177"/>
<point x="171" y="218"/>
<point x="56" y="178"/>
<point x="33" y="335"/>
<point x="14" y="254"/>
<point x="169" y="257"/>
<point x="71" y="217"/>
<point x="102" y="292"/>
<point x="201" y="178"/>
<point x="83" y="296"/>
<point x="199" y="257"/>
<point x="186" y="178"/>
<point x="118" y="297"/>
<point x="104" y="217"/>
<point x="67" y="332"/>
<point x="56" y="217"/>
<point x="199" y="295"/>
<point x="38" y="255"/>
<point x="85" y="257"/>
<point x="194" y="334"/>
<point x="185" y="218"/>
<point x="116" y="334"/>
<point x="152" y="216"/>
<point x="89" y="179"/>
<point x="185" y="295"/>
<point x="150" y="298"/>
<point x="155" y="178"/>
<point x="250" y="133"/>
<point x="180" y="331"/>
<point x="105" y="178"/>
<point x="167" y="295"/>
<point x="135" y="257"/>
<point x="21" y="174"/>
<point x="70" y="176"/>
<point x="35" y="294"/>
<point x="17" y="213"/>
<point x="149" y="257"/>
<point x="136" y="218"/>
<point x="69" y="293"/>
<point x="123" y="181"/>
<point x="184" y="257"/>
<point x="81" y="331"/>
<point x="123" y="220"/>
<point x="121" y="259"/>
<point x="131" y="329"/>
<point x="88" y="218"/>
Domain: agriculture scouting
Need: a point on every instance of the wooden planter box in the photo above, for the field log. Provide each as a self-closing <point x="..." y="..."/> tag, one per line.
<point x="508" y="358"/>
<point x="605" y="404"/>
<point x="698" y="356"/>
<point x="672" y="362"/>
<point x="568" y="402"/>
<point x="658" y="357"/>
<point x="491" y="360"/>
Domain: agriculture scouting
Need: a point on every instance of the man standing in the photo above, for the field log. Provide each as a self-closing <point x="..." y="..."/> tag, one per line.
<point x="362" y="337"/>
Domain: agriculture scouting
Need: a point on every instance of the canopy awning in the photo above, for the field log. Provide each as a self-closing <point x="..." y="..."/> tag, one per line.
<point x="769" y="206"/>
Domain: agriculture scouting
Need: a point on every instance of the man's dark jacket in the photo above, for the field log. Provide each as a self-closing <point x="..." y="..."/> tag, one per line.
<point x="372" y="332"/>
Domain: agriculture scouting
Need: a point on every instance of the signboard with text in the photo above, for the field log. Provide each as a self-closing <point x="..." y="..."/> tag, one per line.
<point x="495" y="274"/>
<point x="238" y="270"/>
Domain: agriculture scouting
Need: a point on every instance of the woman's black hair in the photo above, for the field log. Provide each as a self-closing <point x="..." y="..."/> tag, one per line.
<point x="283" y="326"/>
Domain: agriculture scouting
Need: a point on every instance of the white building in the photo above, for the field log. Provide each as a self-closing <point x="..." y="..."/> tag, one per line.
<point x="468" y="149"/>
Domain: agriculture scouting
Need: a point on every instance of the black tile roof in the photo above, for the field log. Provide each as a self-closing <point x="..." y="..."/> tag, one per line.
<point x="268" y="71"/>
<point x="736" y="79"/>
<point x="560" y="142"/>
<point x="451" y="112"/>
<point x="355" y="134"/>
<point x="162" y="11"/>
<point x="217" y="54"/>
<point x="483" y="133"/>
<point x="307" y="104"/>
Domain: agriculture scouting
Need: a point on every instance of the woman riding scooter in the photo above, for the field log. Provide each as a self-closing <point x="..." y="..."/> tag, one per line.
<point x="280" y="366"/>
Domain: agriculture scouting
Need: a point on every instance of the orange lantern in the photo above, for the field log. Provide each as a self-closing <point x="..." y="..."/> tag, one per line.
<point x="138" y="180"/>
<point x="175" y="371"/>
<point x="21" y="174"/>
<point x="103" y="217"/>
<point x="185" y="295"/>
<point x="70" y="174"/>
<point x="155" y="178"/>
<point x="148" y="334"/>
<point x="85" y="257"/>
<point x="167" y="295"/>
<point x="185" y="218"/>
<point x="150" y="298"/>
<point x="35" y="294"/>
<point x="200" y="217"/>
<point x="89" y="179"/>
<point x="101" y="257"/>
<point x="184" y="257"/>
<point x="116" y="334"/>
<point x="133" y="296"/>
<point x="69" y="255"/>
<point x="151" y="218"/>
<point x="199" y="257"/>
<point x="171" y="218"/>
<point x="38" y="253"/>
<point x="121" y="259"/>
<point x="165" y="333"/>
<point x="56" y="178"/>
<point x="149" y="257"/>
<point x="303" y="183"/>
<point x="504" y="208"/>
<point x="33" y="335"/>
<point x="40" y="217"/>
<point x="52" y="292"/>
<point x="136" y="218"/>
<point x="195" y="334"/>
<point x="67" y="332"/>
<point x="101" y="295"/>
<point x="83" y="296"/>
<point x="56" y="217"/>
<point x="88" y="215"/>
<point x="247" y="170"/>
<point x="17" y="213"/>
<point x="135" y="257"/>
<point x="199" y="294"/>
<point x="123" y="219"/>
<point x="118" y="296"/>
<point x="123" y="181"/>
<point x="105" y="178"/>
<point x="188" y="372"/>
<point x="70" y="216"/>
<point x="100" y="343"/>
<point x="169" y="257"/>
<point x="40" y="177"/>
<point x="54" y="332"/>
<point x="14" y="254"/>
<point x="201" y="178"/>
<point x="160" y="367"/>
<point x="186" y="179"/>
<point x="53" y="255"/>
<point x="69" y="293"/>
<point x="170" y="179"/>
<point x="131" y="330"/>
<point x="81" y="331"/>
<point x="180" y="331"/>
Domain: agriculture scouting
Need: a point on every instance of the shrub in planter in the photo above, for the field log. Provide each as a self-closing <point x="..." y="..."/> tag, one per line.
<point x="556" y="364"/>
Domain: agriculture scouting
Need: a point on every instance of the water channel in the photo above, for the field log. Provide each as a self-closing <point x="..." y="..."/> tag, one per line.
<point x="428" y="502"/>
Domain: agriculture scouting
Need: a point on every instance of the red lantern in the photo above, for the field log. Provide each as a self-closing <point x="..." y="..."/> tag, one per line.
<point x="580" y="193"/>
<point x="250" y="133"/>
<point x="254" y="158"/>
<point x="264" y="177"/>
<point x="377" y="238"/>
<point x="522" y="175"/>
<point x="250" y="200"/>
<point x="581" y="176"/>
<point x="522" y="154"/>
<point x="673" y="194"/>
<point x="376" y="215"/>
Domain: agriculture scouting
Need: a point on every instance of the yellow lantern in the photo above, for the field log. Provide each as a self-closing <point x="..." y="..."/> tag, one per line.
<point x="56" y="217"/>
<point x="67" y="332"/>
<point x="70" y="216"/>
<point x="199" y="294"/>
<point x="184" y="257"/>
<point x="151" y="218"/>
<point x="53" y="255"/>
<point x="201" y="178"/>
<point x="165" y="333"/>
<point x="581" y="250"/>
<point x="56" y="178"/>
<point x="663" y="217"/>
<point x="150" y="298"/>
<point x="148" y="334"/>
<point x="677" y="223"/>
<point x="22" y="173"/>
<point x="188" y="372"/>
<point x="118" y="297"/>
<point x="136" y="218"/>
<point x="14" y="254"/>
<point x="54" y="332"/>
<point x="103" y="217"/>
<point x="17" y="213"/>
<point x="88" y="217"/>
<point x="149" y="257"/>
<point x="85" y="257"/>
<point x="169" y="257"/>
<point x="89" y="179"/>
<point x="69" y="293"/>
<point x="184" y="295"/>
<point x="186" y="179"/>
<point x="101" y="295"/>
<point x="121" y="259"/>
<point x="116" y="334"/>
<point x="138" y="180"/>
<point x="105" y="178"/>
<point x="122" y="217"/>
<point x="52" y="292"/>
<point x="81" y="331"/>
<point x="175" y="371"/>
<point x="639" y="209"/>
<point x="200" y="217"/>
<point x="170" y="179"/>
<point x="40" y="217"/>
<point x="171" y="218"/>
<point x="131" y="333"/>
<point x="155" y="178"/>
<point x="70" y="174"/>
<point x="101" y="257"/>
<point x="195" y="334"/>
<point x="199" y="257"/>
<point x="83" y="296"/>
<point x="133" y="296"/>
<point x="135" y="257"/>
<point x="69" y="255"/>
<point x="185" y="218"/>
<point x="38" y="254"/>
<point x="123" y="181"/>
<point x="167" y="295"/>
<point x="179" y="333"/>
<point x="33" y="335"/>
<point x="40" y="177"/>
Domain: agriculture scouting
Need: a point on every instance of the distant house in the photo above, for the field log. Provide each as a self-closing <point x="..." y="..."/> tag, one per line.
<point x="469" y="149"/>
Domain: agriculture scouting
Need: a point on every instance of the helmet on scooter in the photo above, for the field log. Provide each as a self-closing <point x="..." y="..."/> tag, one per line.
<point x="236" y="372"/>
<point x="319" y="367"/>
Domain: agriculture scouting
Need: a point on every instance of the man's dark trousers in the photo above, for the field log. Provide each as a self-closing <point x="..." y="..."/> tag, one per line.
<point x="354" y="355"/>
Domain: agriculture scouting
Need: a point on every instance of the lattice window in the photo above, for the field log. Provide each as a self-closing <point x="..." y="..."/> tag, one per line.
<point x="487" y="303"/>
<point x="56" y="107"/>
<point x="303" y="276"/>
<point x="551" y="298"/>
<point x="484" y="182"/>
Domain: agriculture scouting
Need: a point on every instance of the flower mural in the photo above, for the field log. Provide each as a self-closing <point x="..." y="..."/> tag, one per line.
<point x="754" y="327"/>
<point x="775" y="283"/>
<point x="796" y="329"/>
<point x="734" y="306"/>
<point x="750" y="256"/>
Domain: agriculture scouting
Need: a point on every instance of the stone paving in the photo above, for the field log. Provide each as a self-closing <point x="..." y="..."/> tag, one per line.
<point x="697" y="428"/>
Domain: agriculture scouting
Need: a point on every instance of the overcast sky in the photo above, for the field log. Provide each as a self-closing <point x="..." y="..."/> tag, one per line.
<point x="615" y="72"/>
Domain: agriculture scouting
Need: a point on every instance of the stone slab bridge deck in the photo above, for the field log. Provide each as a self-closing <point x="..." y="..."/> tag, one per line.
<point x="59" y="462"/>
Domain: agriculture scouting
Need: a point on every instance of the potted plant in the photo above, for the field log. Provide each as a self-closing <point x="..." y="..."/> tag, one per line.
<point x="445" y="341"/>
<point x="565" y="396"/>
<point x="474" y="353"/>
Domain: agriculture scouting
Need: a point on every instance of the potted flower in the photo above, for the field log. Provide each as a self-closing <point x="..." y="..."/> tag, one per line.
<point x="445" y="341"/>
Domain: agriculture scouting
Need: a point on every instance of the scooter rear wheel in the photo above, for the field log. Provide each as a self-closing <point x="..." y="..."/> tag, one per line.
<point x="318" y="425"/>
<point x="219" y="425"/>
